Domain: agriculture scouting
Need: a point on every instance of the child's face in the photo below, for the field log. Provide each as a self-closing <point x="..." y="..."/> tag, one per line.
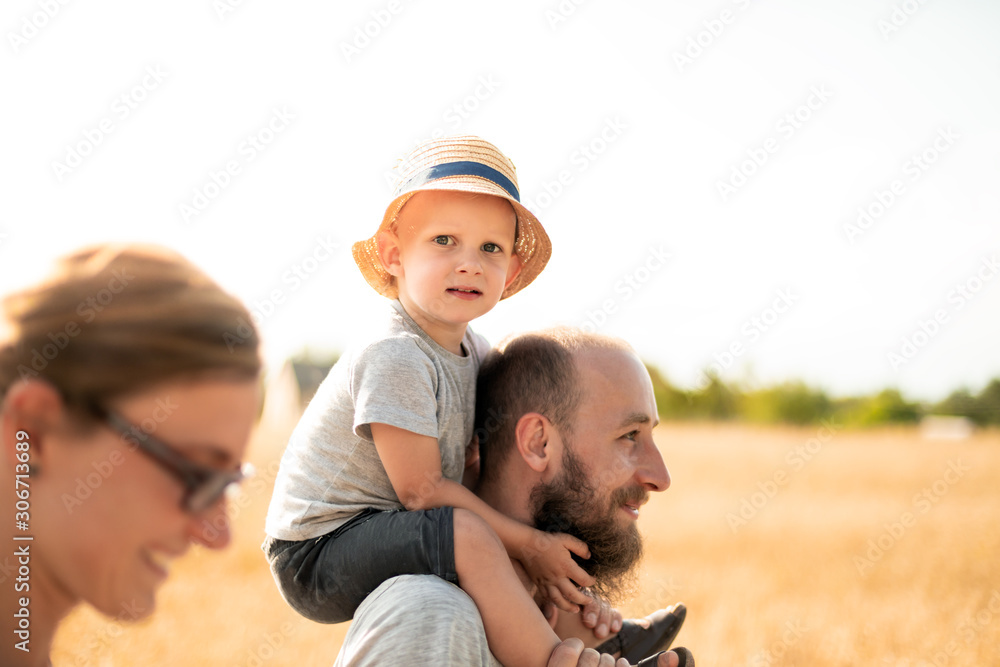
<point x="452" y="256"/>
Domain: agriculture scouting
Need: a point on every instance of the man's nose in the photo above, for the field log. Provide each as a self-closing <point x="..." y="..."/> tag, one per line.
<point x="652" y="472"/>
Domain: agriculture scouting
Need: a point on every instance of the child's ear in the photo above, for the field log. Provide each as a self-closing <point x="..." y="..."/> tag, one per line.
<point x="388" y="252"/>
<point x="513" y="270"/>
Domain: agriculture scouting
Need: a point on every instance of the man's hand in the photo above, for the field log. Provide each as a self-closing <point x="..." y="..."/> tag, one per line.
<point x="571" y="653"/>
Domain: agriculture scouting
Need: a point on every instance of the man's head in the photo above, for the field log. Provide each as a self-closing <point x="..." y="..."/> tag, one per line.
<point x="565" y="422"/>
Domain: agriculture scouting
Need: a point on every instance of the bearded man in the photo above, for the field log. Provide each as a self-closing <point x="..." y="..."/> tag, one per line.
<point x="565" y="423"/>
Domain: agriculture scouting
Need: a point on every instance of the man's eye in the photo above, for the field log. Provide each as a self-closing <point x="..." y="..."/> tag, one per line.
<point x="443" y="240"/>
<point x="491" y="247"/>
<point x="631" y="435"/>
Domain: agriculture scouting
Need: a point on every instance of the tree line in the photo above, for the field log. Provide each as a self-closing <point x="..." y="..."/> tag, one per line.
<point x="797" y="403"/>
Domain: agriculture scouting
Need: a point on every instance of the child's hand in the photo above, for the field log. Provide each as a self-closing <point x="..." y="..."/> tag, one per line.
<point x="549" y="562"/>
<point x="600" y="616"/>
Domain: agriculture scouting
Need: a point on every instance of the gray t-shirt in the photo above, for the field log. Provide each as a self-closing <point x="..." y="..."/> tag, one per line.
<point x="416" y="619"/>
<point x="330" y="470"/>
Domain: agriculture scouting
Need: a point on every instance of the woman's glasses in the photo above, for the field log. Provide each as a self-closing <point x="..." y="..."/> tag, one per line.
<point x="203" y="485"/>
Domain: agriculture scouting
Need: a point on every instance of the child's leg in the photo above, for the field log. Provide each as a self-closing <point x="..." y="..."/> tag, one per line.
<point x="326" y="578"/>
<point x="516" y="631"/>
<point x="571" y="625"/>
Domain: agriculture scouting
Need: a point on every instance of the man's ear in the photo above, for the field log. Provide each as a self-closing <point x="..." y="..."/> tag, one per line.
<point x="513" y="270"/>
<point x="532" y="434"/>
<point x="388" y="252"/>
<point x="31" y="409"/>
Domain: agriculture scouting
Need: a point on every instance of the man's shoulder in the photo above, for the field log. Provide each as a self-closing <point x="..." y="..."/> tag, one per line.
<point x="420" y="616"/>
<point x="425" y="592"/>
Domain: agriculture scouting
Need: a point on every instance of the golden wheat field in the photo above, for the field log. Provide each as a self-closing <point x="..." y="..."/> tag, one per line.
<point x="789" y="546"/>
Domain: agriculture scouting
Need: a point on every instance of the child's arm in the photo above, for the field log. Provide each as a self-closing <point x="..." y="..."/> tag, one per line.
<point x="413" y="464"/>
<point x="596" y="622"/>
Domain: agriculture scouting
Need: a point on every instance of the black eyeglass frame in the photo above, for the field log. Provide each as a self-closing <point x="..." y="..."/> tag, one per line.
<point x="203" y="485"/>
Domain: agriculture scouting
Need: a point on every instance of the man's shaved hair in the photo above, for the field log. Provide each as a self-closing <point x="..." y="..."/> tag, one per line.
<point x="530" y="372"/>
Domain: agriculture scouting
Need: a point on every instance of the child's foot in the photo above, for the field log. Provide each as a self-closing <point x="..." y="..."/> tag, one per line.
<point x="643" y="637"/>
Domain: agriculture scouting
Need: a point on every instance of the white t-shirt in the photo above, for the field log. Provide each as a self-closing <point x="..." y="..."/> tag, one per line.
<point x="330" y="470"/>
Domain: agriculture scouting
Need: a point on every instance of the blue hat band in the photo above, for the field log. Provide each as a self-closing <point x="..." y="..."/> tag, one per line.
<point x="461" y="168"/>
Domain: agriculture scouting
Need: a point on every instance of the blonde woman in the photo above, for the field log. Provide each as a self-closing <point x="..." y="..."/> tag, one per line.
<point x="128" y="388"/>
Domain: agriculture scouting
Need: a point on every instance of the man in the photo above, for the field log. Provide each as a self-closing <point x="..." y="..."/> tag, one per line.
<point x="565" y="423"/>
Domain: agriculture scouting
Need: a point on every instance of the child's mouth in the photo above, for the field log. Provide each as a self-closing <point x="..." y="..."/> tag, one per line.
<point x="464" y="292"/>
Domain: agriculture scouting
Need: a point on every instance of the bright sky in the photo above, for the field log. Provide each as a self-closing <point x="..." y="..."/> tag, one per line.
<point x="700" y="166"/>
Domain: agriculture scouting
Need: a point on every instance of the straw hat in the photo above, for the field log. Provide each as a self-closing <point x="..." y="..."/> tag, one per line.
<point x="464" y="164"/>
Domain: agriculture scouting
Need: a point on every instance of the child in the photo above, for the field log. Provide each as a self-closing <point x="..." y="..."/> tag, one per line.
<point x="388" y="428"/>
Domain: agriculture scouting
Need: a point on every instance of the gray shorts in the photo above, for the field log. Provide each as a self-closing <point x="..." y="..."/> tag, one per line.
<point x="326" y="578"/>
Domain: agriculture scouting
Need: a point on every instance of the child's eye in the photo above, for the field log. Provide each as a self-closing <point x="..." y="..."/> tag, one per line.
<point x="443" y="240"/>
<point x="491" y="247"/>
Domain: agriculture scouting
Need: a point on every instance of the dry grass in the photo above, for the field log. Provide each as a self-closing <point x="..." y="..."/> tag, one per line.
<point x="787" y="588"/>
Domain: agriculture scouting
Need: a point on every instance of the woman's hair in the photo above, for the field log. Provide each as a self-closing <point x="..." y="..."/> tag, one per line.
<point x="114" y="319"/>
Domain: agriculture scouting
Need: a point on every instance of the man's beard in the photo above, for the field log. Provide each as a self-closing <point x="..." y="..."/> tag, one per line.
<point x="570" y="504"/>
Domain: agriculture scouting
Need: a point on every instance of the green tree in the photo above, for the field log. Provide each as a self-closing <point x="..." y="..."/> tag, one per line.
<point x="791" y="402"/>
<point x="886" y="406"/>
<point x="671" y="402"/>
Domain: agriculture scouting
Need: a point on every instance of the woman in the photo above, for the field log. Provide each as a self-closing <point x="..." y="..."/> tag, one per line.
<point x="128" y="389"/>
